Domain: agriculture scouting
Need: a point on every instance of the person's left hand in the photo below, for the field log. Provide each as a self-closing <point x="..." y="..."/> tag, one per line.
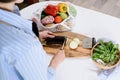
<point x="46" y="34"/>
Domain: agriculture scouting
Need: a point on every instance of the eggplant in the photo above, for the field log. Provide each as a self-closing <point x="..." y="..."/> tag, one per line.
<point x="56" y="40"/>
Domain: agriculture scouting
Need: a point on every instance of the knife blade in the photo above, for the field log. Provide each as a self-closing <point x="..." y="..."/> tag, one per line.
<point x="63" y="45"/>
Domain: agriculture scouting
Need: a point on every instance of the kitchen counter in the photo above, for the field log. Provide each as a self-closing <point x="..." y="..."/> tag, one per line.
<point x="89" y="23"/>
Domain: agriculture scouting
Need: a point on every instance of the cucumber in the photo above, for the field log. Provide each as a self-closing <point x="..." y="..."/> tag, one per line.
<point x="73" y="44"/>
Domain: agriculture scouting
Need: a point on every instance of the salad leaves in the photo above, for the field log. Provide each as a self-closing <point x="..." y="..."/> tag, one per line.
<point x="108" y="52"/>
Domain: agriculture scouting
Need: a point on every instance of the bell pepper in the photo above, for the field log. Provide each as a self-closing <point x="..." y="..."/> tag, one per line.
<point x="62" y="7"/>
<point x="51" y="10"/>
<point x="63" y="15"/>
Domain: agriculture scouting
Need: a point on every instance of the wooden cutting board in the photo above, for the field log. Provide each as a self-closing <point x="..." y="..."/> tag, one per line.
<point x="79" y="52"/>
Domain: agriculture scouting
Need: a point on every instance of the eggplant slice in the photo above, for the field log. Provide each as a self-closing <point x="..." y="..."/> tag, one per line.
<point x="56" y="40"/>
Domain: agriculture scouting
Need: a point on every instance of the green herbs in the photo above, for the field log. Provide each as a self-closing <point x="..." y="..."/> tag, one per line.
<point x="107" y="52"/>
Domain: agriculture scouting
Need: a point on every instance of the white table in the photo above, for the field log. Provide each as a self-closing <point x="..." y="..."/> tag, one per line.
<point x="89" y="23"/>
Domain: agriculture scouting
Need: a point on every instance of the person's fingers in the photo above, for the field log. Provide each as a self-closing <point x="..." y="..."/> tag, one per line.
<point x="34" y="20"/>
<point x="47" y="34"/>
<point x="50" y="33"/>
<point x="61" y="51"/>
<point x="50" y="36"/>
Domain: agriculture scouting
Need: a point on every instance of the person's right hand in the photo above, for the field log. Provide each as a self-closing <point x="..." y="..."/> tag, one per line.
<point x="57" y="59"/>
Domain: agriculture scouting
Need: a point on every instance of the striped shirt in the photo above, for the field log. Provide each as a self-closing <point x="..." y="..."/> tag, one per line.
<point x="22" y="56"/>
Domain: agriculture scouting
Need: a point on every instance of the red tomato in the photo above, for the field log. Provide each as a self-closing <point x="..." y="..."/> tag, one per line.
<point x="58" y="19"/>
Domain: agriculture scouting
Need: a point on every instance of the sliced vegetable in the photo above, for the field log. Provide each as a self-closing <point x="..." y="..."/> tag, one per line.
<point x="74" y="43"/>
<point x="77" y="40"/>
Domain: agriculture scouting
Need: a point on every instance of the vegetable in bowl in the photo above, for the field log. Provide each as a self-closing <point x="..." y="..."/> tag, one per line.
<point x="59" y="13"/>
<point x="105" y="54"/>
<point x="56" y="17"/>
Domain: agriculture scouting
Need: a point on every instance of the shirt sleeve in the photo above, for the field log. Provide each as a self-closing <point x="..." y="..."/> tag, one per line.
<point x="31" y="66"/>
<point x="51" y="73"/>
<point x="16" y="10"/>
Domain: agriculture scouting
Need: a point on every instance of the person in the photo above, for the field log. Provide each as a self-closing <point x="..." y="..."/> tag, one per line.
<point x="22" y="56"/>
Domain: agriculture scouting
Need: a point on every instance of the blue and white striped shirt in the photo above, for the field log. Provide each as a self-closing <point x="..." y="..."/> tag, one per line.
<point x="22" y="56"/>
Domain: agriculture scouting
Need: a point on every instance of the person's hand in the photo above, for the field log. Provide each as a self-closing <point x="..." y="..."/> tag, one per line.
<point x="57" y="59"/>
<point x="46" y="34"/>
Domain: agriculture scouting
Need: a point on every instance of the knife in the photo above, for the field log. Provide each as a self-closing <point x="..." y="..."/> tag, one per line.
<point x="63" y="45"/>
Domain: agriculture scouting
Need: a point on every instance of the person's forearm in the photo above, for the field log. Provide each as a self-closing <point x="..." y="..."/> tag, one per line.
<point x="53" y="65"/>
